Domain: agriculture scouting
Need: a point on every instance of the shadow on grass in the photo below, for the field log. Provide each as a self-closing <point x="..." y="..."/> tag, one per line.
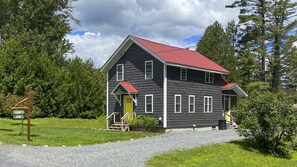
<point x="24" y="134"/>
<point x="21" y="124"/>
<point x="6" y="130"/>
<point x="252" y="146"/>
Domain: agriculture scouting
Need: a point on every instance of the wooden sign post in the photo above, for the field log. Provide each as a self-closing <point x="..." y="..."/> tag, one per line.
<point x="28" y="117"/>
<point x="28" y="108"/>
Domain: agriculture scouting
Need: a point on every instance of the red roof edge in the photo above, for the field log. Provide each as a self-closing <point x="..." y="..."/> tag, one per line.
<point x="229" y="86"/>
<point x="129" y="87"/>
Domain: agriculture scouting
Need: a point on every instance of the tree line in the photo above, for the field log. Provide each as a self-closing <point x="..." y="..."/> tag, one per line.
<point x="33" y="54"/>
<point x="259" y="49"/>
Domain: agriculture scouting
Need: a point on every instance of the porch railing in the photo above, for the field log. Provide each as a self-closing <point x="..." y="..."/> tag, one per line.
<point x="112" y="116"/>
<point x="124" y="119"/>
<point x="232" y="120"/>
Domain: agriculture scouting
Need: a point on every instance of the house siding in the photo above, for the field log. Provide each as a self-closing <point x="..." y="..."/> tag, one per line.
<point x="194" y="85"/>
<point x="134" y="70"/>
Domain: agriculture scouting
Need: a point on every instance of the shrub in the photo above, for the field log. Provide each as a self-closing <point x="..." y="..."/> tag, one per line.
<point x="149" y="123"/>
<point x="269" y="120"/>
<point x="136" y="122"/>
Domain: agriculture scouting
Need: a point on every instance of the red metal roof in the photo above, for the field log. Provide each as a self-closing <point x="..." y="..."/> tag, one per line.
<point x="128" y="87"/>
<point x="175" y="55"/>
<point x="229" y="86"/>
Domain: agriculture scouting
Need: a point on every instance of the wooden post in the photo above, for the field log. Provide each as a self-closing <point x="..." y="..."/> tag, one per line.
<point x="29" y="115"/>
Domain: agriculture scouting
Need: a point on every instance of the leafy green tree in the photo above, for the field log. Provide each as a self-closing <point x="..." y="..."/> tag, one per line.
<point x="269" y="120"/>
<point x="216" y="45"/>
<point x="32" y="53"/>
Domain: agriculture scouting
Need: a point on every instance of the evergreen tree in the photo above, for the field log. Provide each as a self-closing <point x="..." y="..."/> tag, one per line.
<point x="252" y="19"/>
<point x="216" y="45"/>
<point x="282" y="30"/>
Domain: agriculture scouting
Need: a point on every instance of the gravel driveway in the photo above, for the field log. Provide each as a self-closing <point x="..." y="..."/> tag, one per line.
<point x="127" y="153"/>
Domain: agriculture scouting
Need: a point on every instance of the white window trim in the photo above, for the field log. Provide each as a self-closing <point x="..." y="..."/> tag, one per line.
<point x="180" y="106"/>
<point x="193" y="104"/>
<point x="145" y="76"/>
<point x="181" y="69"/>
<point x="208" y="97"/>
<point x="210" y="75"/>
<point x="151" y="95"/>
<point x="118" y="65"/>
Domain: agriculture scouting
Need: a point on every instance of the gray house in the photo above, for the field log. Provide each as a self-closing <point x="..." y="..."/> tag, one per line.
<point x="179" y="87"/>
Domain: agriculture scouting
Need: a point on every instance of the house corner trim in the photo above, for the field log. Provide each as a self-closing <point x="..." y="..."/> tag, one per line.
<point x="165" y="96"/>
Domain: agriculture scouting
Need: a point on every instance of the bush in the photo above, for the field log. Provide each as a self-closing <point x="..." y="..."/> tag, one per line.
<point x="136" y="122"/>
<point x="269" y="120"/>
<point x="149" y="123"/>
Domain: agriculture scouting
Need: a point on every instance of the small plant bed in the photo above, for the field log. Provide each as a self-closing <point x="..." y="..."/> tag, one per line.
<point x="237" y="153"/>
<point x="144" y="123"/>
<point x="63" y="132"/>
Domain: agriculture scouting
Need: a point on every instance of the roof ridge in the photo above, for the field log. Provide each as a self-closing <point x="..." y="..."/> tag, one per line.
<point x="163" y="44"/>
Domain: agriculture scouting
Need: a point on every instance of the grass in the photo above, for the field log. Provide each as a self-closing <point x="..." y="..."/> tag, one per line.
<point x="221" y="155"/>
<point x="59" y="132"/>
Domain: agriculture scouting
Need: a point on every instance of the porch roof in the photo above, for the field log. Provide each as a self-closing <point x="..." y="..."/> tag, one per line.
<point x="237" y="89"/>
<point x="127" y="86"/>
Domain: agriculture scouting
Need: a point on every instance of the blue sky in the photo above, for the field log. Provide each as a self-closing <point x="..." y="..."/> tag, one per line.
<point x="105" y="24"/>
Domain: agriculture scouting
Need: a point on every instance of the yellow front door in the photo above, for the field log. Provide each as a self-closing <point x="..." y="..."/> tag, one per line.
<point x="128" y="106"/>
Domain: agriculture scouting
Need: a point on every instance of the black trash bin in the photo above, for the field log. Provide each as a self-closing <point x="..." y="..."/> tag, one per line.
<point x="222" y="125"/>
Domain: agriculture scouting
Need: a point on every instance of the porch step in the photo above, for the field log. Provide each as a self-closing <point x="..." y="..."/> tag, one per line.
<point x="118" y="126"/>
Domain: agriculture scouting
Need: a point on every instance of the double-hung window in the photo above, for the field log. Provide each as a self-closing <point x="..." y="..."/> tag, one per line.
<point x="191" y="103"/>
<point x="120" y="72"/>
<point x="209" y="77"/>
<point x="177" y="103"/>
<point x="149" y="69"/>
<point x="207" y="104"/>
<point x="183" y="74"/>
<point x="149" y="103"/>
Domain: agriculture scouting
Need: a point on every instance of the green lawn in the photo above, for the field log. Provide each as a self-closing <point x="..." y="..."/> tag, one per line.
<point x="221" y="155"/>
<point x="59" y="132"/>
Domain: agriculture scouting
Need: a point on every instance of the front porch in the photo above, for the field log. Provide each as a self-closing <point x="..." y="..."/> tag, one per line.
<point x="115" y="121"/>
<point x="126" y="95"/>
<point x="230" y="92"/>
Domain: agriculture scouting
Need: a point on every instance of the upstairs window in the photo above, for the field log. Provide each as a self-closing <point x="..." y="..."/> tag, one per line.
<point x="183" y="74"/>
<point x="207" y="104"/>
<point x="149" y="69"/>
<point x="149" y="104"/>
<point x="209" y="77"/>
<point x="120" y="72"/>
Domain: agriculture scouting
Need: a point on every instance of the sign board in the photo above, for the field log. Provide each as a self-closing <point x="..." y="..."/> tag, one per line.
<point x="18" y="114"/>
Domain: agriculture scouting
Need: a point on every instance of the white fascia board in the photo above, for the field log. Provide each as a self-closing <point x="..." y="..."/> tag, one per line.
<point x="195" y="68"/>
<point x="117" y="54"/>
<point x="241" y="91"/>
<point x="238" y="90"/>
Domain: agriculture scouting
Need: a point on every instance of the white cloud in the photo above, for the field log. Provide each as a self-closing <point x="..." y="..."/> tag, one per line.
<point x="166" y="21"/>
<point x="98" y="48"/>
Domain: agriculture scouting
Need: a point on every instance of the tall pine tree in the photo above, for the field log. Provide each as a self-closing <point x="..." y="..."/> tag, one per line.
<point x="216" y="45"/>
<point x="282" y="27"/>
<point x="252" y="19"/>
